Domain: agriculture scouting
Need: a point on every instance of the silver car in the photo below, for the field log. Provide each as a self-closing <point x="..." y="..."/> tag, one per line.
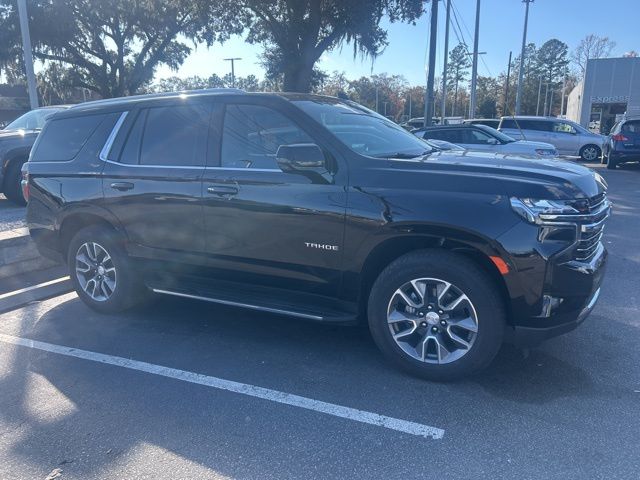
<point x="569" y="138"/>
<point x="486" y="139"/>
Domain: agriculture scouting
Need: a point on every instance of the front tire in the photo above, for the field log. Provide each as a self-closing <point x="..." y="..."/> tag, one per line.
<point x="612" y="164"/>
<point x="12" y="185"/>
<point x="437" y="315"/>
<point x="102" y="274"/>
<point x="590" y="153"/>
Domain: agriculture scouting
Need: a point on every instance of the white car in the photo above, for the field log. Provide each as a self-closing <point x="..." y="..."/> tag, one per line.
<point x="487" y="139"/>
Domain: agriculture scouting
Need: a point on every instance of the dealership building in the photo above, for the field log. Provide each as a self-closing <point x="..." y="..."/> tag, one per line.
<point x="610" y="89"/>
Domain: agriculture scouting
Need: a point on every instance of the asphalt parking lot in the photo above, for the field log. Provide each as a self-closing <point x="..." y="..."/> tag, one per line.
<point x="181" y="389"/>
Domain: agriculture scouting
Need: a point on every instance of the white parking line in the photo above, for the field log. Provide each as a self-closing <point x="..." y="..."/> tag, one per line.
<point x="236" y="387"/>
<point x="33" y="287"/>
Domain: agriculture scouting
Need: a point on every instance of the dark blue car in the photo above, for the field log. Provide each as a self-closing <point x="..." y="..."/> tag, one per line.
<point x="623" y="143"/>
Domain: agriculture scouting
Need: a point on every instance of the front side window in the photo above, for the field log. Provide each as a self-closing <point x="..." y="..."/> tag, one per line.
<point x="477" y="137"/>
<point x="538" y="125"/>
<point x="362" y="130"/>
<point x="252" y="135"/>
<point x="562" y="127"/>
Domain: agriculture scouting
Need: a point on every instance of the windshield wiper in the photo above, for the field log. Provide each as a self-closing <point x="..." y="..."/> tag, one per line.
<point x="405" y="156"/>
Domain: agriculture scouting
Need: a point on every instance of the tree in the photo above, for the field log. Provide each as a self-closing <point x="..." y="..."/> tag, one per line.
<point x="458" y="69"/>
<point x="552" y="63"/>
<point x="631" y="54"/>
<point x="113" y="47"/>
<point x="591" y="46"/>
<point x="488" y="92"/>
<point x="297" y="32"/>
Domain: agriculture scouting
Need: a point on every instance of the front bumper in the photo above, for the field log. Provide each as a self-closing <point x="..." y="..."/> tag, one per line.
<point x="532" y="336"/>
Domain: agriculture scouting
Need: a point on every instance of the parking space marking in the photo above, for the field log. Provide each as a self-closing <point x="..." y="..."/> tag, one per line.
<point x="335" y="410"/>
<point x="34" y="287"/>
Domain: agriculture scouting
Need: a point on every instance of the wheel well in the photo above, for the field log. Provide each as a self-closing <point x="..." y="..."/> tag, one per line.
<point x="73" y="224"/>
<point x="8" y="162"/>
<point x="394" y="249"/>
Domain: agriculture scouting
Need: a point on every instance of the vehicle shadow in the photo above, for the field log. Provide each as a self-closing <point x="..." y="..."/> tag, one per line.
<point x="116" y="410"/>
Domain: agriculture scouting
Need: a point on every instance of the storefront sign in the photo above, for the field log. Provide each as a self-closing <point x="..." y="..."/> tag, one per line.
<point x="611" y="99"/>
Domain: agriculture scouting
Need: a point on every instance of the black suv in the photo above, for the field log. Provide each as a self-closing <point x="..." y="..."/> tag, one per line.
<point x="16" y="140"/>
<point x="320" y="209"/>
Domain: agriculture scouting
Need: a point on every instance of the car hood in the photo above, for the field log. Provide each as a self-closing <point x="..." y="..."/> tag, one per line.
<point x="16" y="133"/>
<point x="534" y="145"/>
<point x="493" y="173"/>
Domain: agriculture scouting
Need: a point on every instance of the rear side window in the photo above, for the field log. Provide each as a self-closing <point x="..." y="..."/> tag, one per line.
<point x="453" y="135"/>
<point x="168" y="136"/>
<point x="631" y="127"/>
<point x="508" y="123"/>
<point x="539" y="125"/>
<point x="62" y="139"/>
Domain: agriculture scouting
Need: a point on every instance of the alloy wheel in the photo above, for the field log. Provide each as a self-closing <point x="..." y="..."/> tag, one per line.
<point x="95" y="271"/>
<point x="432" y="320"/>
<point x="590" y="154"/>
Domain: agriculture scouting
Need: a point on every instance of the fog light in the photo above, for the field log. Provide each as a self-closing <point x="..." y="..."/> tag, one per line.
<point x="549" y="304"/>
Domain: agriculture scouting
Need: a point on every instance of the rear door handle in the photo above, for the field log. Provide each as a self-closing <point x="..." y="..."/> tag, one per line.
<point x="122" y="186"/>
<point x="222" y="190"/>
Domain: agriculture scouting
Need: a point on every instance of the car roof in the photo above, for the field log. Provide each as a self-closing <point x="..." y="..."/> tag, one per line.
<point x="531" y="117"/>
<point x="208" y="92"/>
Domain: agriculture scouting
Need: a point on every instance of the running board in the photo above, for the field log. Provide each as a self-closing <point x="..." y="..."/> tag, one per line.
<point x="238" y="304"/>
<point x="279" y="301"/>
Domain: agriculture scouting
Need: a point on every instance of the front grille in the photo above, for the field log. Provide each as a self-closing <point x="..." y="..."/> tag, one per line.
<point x="590" y="219"/>
<point x="591" y="228"/>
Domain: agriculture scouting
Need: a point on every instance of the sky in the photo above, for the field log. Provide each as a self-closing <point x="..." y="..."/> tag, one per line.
<point x="501" y="23"/>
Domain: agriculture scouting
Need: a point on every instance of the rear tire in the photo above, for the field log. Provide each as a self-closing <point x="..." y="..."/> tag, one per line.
<point x="435" y="327"/>
<point x="102" y="274"/>
<point x="590" y="153"/>
<point x="12" y="185"/>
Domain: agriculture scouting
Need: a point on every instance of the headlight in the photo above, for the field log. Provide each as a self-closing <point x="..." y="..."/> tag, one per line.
<point x="537" y="211"/>
<point x="546" y="153"/>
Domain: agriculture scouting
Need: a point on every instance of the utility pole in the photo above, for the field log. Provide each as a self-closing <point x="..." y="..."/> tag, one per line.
<point x="385" y="108"/>
<point x="28" y="54"/>
<point x="377" y="109"/>
<point x="429" y="96"/>
<point x="522" y="53"/>
<point x="538" y="102"/>
<point x="474" y="67"/>
<point x="409" y="95"/>
<point x="233" y="70"/>
<point x="564" y="86"/>
<point x="546" y="97"/>
<point x="443" y="109"/>
<point x="505" y="109"/>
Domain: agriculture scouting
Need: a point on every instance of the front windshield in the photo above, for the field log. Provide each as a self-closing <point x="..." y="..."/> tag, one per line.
<point x="364" y="131"/>
<point x="496" y="133"/>
<point x="33" y="120"/>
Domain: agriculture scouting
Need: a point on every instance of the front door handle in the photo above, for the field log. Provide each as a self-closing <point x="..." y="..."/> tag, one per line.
<point x="222" y="190"/>
<point x="122" y="186"/>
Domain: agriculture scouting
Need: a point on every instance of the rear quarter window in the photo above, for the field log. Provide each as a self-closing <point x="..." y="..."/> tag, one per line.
<point x="62" y="139"/>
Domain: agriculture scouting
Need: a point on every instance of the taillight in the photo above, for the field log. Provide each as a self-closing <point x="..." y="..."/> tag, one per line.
<point x="619" y="138"/>
<point x="25" y="185"/>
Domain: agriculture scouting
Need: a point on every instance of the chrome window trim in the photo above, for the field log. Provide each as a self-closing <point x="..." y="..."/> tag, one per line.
<point x="106" y="149"/>
<point x="189" y="167"/>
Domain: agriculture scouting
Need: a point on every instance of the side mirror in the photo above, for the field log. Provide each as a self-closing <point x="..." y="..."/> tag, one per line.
<point x="306" y="159"/>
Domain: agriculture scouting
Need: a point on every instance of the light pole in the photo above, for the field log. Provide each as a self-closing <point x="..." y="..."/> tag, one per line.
<point x="446" y="60"/>
<point x="233" y="70"/>
<point x="538" y="102"/>
<point x="522" y="52"/>
<point x="429" y="96"/>
<point x="474" y="65"/>
<point x="28" y="55"/>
